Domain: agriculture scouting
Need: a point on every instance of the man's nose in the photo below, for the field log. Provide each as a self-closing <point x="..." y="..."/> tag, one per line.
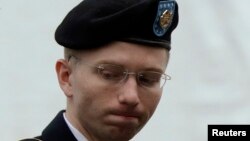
<point x="129" y="94"/>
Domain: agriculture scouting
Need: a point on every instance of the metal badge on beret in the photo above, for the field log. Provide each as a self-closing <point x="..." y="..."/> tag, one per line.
<point x="164" y="17"/>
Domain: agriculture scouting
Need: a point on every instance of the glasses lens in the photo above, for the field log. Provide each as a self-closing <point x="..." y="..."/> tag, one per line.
<point x="151" y="79"/>
<point x="111" y="72"/>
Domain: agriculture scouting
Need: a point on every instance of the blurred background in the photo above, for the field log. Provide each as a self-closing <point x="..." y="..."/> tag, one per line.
<point x="210" y="69"/>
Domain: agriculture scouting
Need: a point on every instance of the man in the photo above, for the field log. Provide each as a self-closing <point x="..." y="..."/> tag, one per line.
<point x="113" y="72"/>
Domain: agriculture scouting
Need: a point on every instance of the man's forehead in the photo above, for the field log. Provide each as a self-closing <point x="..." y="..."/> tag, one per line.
<point x="127" y="54"/>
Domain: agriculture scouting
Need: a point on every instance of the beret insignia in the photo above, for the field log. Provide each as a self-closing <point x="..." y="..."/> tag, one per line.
<point x="164" y="17"/>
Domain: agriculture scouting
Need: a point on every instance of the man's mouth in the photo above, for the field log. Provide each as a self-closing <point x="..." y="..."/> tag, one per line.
<point x="124" y="118"/>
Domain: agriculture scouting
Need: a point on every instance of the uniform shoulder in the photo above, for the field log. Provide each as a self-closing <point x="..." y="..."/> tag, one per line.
<point x="32" y="139"/>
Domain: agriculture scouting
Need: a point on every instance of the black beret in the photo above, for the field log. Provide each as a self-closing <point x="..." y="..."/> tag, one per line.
<point x="94" y="23"/>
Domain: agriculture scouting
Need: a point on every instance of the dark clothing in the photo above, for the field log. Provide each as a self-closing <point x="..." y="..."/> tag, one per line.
<point x="57" y="130"/>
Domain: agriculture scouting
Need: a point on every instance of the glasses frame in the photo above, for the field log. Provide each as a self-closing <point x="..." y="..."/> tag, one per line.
<point x="126" y="73"/>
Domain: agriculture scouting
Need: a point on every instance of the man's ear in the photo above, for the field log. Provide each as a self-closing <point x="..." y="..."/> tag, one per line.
<point x="63" y="71"/>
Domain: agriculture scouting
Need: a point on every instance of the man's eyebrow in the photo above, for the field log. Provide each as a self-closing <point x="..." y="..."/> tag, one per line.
<point x="143" y="68"/>
<point x="155" y="69"/>
<point x="110" y="62"/>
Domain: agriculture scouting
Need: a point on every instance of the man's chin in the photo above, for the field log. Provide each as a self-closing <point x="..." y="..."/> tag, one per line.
<point x="118" y="133"/>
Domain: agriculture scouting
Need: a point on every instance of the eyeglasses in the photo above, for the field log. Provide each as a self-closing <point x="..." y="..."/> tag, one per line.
<point x="115" y="74"/>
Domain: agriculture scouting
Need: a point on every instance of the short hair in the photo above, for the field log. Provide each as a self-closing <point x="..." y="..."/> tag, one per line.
<point x="70" y="52"/>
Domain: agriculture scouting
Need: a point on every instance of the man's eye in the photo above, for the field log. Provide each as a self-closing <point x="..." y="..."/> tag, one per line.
<point x="148" y="81"/>
<point x="150" y="78"/>
<point x="111" y="75"/>
<point x="108" y="74"/>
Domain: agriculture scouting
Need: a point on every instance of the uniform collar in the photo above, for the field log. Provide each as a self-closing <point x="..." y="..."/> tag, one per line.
<point x="78" y="135"/>
<point x="58" y="130"/>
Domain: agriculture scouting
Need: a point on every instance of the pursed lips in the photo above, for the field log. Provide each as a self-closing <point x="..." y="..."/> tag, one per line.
<point x="125" y="117"/>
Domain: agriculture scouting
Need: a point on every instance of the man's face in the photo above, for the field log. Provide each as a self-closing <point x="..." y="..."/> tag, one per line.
<point x="113" y="112"/>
